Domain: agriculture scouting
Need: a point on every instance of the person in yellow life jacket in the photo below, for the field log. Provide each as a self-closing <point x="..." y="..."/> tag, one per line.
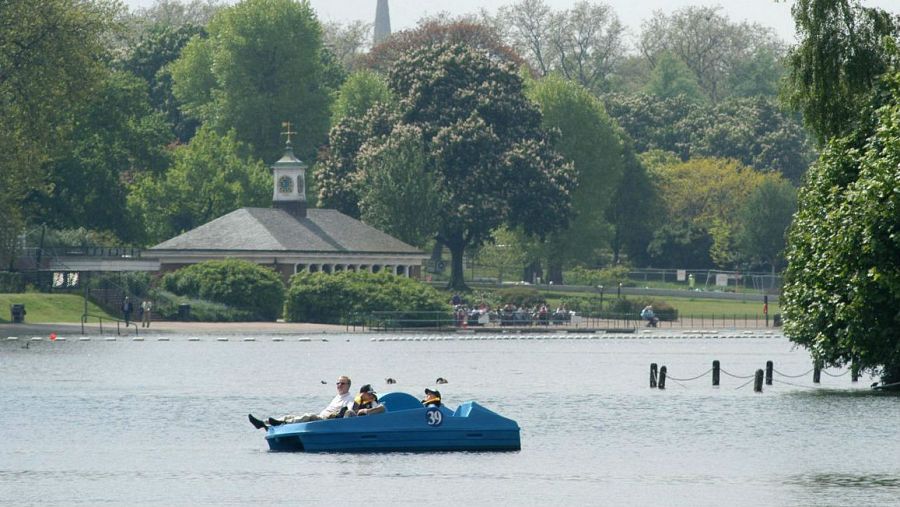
<point x="365" y="403"/>
<point x="432" y="398"/>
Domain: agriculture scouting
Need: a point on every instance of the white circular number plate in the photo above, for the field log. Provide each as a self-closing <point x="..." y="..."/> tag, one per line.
<point x="434" y="417"/>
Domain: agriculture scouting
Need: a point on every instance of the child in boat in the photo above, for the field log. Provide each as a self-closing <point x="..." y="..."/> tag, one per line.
<point x="432" y="398"/>
<point x="365" y="403"/>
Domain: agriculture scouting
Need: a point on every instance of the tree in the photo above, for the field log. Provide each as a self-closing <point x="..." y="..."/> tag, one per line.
<point x="211" y="176"/>
<point x="51" y="56"/>
<point x="842" y="285"/>
<point x="118" y="135"/>
<point x="585" y="43"/>
<point x="503" y="252"/>
<point x="708" y="42"/>
<point x="672" y="78"/>
<point x="362" y="90"/>
<point x="636" y="209"/>
<point x="703" y="196"/>
<point x="588" y="139"/>
<point x="347" y="42"/>
<point x="466" y="30"/>
<point x="398" y="193"/>
<point x="764" y="219"/>
<point x="158" y="46"/>
<point x="262" y="64"/>
<point x="833" y="70"/>
<point x="487" y="153"/>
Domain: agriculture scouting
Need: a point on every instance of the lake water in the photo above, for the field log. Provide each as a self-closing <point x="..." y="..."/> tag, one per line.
<point x="165" y="423"/>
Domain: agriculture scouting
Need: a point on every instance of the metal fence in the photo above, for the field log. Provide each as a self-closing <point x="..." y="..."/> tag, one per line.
<point x="605" y="321"/>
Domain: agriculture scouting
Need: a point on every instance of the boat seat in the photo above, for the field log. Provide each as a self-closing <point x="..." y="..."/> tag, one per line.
<point x="394" y="402"/>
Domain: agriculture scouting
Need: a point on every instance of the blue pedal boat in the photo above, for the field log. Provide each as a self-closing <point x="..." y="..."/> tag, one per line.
<point x="406" y="426"/>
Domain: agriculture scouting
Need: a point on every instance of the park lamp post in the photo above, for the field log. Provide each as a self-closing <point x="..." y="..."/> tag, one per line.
<point x="600" y="287"/>
<point x="619" y="291"/>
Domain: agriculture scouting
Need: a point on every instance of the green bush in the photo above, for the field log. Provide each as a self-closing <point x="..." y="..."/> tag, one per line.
<point x="337" y="298"/>
<point x="241" y="285"/>
<point x="165" y="307"/>
<point x="609" y="277"/>
<point x="632" y="308"/>
<point x="11" y="283"/>
<point x="521" y="297"/>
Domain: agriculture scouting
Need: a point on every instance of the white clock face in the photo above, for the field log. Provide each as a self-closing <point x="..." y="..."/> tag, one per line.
<point x="285" y="185"/>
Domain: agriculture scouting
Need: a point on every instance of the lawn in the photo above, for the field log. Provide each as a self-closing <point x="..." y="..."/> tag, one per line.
<point x="48" y="307"/>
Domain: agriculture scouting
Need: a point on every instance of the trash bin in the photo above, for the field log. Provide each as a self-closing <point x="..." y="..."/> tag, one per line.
<point x="776" y="321"/>
<point x="17" y="313"/>
<point x="184" y="312"/>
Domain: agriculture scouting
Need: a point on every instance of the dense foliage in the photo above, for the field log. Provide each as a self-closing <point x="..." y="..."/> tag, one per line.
<point x="843" y="291"/>
<point x="241" y="284"/>
<point x="488" y="160"/>
<point x="343" y="297"/>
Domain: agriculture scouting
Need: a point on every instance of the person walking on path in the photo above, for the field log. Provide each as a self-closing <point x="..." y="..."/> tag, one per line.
<point x="146" y="307"/>
<point x="126" y="310"/>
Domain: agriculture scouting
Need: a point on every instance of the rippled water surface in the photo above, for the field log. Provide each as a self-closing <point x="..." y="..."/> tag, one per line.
<point x="164" y="423"/>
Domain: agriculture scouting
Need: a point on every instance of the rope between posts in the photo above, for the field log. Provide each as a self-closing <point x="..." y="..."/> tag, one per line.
<point x="736" y="376"/>
<point x="688" y="379"/>
<point x="745" y="384"/>
<point x="793" y="376"/>
<point x="836" y="375"/>
<point x="792" y="384"/>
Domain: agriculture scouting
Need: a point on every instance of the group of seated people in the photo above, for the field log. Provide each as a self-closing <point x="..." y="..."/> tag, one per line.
<point x="510" y="315"/>
<point x="343" y="404"/>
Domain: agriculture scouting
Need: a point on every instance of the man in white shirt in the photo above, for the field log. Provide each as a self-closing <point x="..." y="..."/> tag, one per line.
<point x="334" y="409"/>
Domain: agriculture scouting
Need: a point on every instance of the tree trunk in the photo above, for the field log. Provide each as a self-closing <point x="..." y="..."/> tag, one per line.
<point x="457" y="281"/>
<point x="532" y="272"/>
<point x="554" y="272"/>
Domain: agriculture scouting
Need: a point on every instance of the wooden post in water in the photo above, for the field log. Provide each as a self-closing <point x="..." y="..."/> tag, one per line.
<point x="716" y="372"/>
<point x="769" y="368"/>
<point x="758" y="381"/>
<point x="652" y="375"/>
<point x="662" y="377"/>
<point x="817" y="371"/>
<point x="854" y="371"/>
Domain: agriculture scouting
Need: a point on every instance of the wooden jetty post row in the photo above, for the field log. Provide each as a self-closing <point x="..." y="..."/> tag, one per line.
<point x="854" y="372"/>
<point x="715" y="372"/>
<point x="652" y="375"/>
<point x="662" y="377"/>
<point x="758" y="381"/>
<point x="817" y="371"/>
<point x="769" y="367"/>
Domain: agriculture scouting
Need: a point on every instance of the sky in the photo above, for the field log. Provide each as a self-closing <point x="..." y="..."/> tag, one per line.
<point x="405" y="13"/>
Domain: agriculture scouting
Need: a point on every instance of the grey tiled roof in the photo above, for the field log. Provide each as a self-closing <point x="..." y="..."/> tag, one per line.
<point x="273" y="229"/>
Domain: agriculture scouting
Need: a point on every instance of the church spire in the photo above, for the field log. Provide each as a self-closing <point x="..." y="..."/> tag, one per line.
<point x="382" y="22"/>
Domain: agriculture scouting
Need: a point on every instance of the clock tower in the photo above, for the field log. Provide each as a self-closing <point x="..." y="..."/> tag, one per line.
<point x="289" y="179"/>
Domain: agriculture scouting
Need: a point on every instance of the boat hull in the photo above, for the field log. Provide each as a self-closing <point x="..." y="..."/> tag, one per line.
<point x="403" y="427"/>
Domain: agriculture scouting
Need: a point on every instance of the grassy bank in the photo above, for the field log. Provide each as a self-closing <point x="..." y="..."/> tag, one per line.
<point x="42" y="308"/>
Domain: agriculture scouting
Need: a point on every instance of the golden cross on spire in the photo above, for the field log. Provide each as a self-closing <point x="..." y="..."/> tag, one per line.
<point x="287" y="133"/>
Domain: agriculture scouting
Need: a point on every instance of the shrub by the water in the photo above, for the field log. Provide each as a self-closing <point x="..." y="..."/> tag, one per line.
<point x="342" y="297"/>
<point x="239" y="284"/>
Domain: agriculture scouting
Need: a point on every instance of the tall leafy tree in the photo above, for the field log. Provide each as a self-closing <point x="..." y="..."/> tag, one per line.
<point x="51" y="56"/>
<point x="708" y="42"/>
<point x="118" y="135"/>
<point x="671" y="77"/>
<point x="262" y="64"/>
<point x="834" y="68"/>
<point x="211" y="176"/>
<point x="489" y="158"/>
<point x="763" y="221"/>
<point x="591" y="141"/>
<point x="585" y="43"/>
<point x="843" y="278"/>
<point x="362" y="90"/>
